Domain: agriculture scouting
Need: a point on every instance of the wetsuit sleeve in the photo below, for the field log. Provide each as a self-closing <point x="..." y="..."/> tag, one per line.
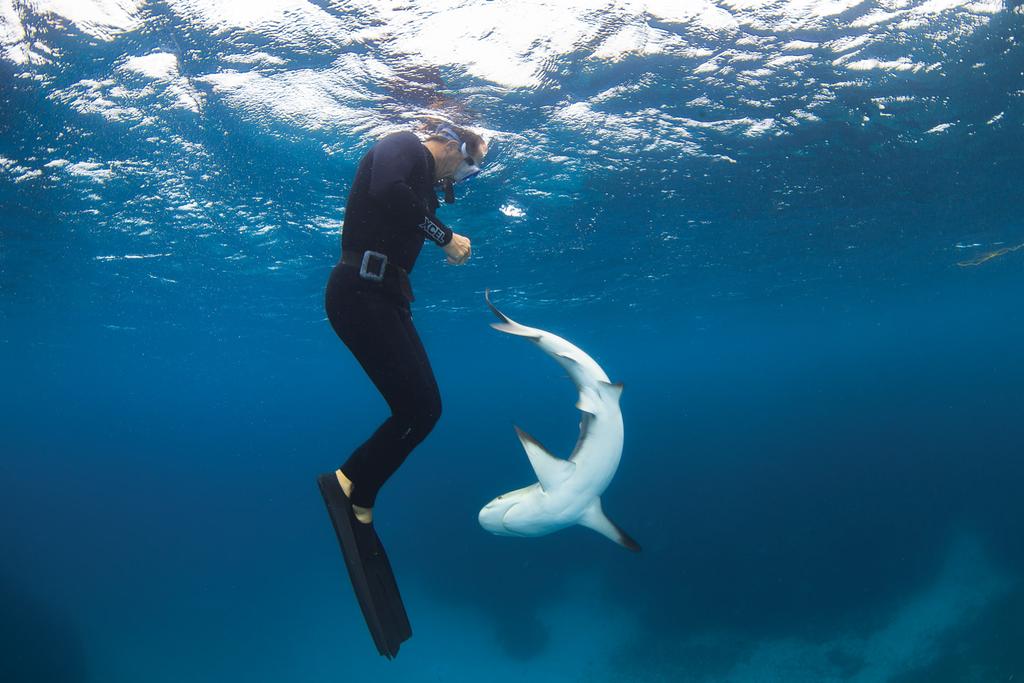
<point x="394" y="161"/>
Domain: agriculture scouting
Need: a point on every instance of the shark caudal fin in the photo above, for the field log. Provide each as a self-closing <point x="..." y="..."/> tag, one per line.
<point x="507" y="325"/>
<point x="594" y="518"/>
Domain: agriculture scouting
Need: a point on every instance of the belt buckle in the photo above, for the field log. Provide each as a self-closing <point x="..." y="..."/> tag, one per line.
<point x="366" y="273"/>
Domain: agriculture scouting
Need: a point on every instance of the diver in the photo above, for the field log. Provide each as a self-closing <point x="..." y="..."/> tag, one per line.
<point x="389" y="215"/>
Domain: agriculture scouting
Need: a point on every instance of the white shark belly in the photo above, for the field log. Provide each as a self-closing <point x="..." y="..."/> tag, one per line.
<point x="598" y="457"/>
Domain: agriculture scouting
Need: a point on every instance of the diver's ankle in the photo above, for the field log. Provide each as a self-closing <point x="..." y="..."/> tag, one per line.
<point x="344" y="482"/>
<point x="364" y="515"/>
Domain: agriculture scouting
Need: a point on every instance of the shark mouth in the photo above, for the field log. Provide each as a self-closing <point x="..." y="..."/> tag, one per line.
<point x="505" y="526"/>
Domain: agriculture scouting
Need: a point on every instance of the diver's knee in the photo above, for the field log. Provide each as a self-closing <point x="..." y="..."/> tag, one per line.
<point x="426" y="418"/>
<point x="425" y="422"/>
<point x="433" y="413"/>
<point x="417" y="424"/>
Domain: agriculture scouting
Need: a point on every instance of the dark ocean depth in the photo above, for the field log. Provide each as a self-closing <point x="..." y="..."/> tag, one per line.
<point x="807" y="273"/>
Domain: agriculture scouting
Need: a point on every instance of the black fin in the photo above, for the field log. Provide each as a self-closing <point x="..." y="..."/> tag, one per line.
<point x="625" y="540"/>
<point x="373" y="581"/>
<point x="501" y="316"/>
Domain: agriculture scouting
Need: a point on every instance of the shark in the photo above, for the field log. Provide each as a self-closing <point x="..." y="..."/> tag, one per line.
<point x="568" y="491"/>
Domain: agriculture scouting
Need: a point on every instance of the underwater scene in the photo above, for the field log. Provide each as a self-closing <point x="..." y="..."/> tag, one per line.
<point x="793" y="230"/>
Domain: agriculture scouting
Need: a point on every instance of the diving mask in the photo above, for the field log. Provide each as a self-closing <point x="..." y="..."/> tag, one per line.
<point x="467" y="169"/>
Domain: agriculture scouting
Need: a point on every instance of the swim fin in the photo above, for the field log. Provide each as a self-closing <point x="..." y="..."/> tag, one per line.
<point x="368" y="567"/>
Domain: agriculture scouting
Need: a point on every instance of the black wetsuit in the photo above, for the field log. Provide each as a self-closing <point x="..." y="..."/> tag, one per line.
<point x="390" y="210"/>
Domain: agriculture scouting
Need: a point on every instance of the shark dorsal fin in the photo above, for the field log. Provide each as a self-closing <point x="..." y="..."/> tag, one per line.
<point x="589" y="399"/>
<point x="588" y="403"/>
<point x="551" y="471"/>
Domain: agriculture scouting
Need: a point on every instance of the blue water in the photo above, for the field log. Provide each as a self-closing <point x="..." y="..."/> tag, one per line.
<point x="790" y="228"/>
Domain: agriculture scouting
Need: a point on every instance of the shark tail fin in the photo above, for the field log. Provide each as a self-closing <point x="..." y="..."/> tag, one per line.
<point x="507" y="325"/>
<point x="594" y="518"/>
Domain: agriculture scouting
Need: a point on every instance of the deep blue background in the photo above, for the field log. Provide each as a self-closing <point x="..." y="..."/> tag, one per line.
<point x="820" y="402"/>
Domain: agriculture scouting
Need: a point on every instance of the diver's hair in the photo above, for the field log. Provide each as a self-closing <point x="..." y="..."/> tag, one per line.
<point x="474" y="143"/>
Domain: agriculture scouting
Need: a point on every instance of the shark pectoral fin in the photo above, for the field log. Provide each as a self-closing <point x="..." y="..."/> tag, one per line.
<point x="594" y="518"/>
<point x="551" y="471"/>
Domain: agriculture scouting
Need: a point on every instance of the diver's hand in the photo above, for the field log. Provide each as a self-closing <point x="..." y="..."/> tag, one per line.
<point x="458" y="250"/>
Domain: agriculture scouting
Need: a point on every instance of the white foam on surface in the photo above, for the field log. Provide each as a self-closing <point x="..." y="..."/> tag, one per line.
<point x="158" y="65"/>
<point x="89" y="96"/>
<point x="260" y="58"/>
<point x="287" y="23"/>
<point x="12" y="34"/>
<point x="901" y="64"/>
<point x="798" y="45"/>
<point x="28" y="175"/>
<point x="129" y="257"/>
<point x="308" y="98"/>
<point x="511" y="210"/>
<point x="90" y="169"/>
<point x="520" y="52"/>
<point x="102" y="19"/>
<point x="163" y="68"/>
<point x="783" y="60"/>
<point x="700" y="12"/>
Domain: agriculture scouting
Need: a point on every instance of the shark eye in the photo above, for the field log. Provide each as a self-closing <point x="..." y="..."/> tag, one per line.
<point x="500" y="497"/>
